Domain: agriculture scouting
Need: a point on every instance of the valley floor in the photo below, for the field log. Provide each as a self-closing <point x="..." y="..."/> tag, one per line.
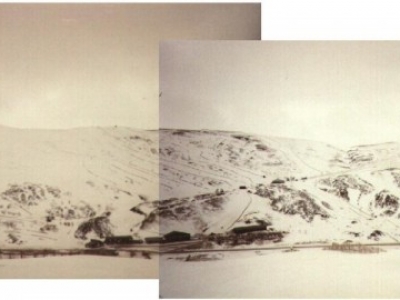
<point x="308" y="273"/>
<point x="79" y="267"/>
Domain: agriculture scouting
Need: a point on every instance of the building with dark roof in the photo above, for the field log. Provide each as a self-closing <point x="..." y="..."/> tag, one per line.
<point x="94" y="244"/>
<point x="245" y="229"/>
<point x="176" y="236"/>
<point x="154" y="240"/>
<point x="278" y="181"/>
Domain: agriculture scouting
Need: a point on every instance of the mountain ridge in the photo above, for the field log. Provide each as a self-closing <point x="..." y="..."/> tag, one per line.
<point x="102" y="169"/>
<point x="349" y="194"/>
<point x="151" y="182"/>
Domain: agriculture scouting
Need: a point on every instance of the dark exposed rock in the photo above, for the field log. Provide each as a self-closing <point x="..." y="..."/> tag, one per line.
<point x="340" y="185"/>
<point x="344" y="193"/>
<point x="100" y="226"/>
<point x="376" y="234"/>
<point x="292" y="202"/>
<point x="387" y="201"/>
<point x="152" y="218"/>
<point x="30" y="194"/>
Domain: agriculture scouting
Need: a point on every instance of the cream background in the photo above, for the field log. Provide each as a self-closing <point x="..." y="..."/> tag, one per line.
<point x="75" y="65"/>
<point x="341" y="92"/>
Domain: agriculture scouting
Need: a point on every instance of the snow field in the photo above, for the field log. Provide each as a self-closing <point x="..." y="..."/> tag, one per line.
<point x="79" y="267"/>
<point x="308" y="273"/>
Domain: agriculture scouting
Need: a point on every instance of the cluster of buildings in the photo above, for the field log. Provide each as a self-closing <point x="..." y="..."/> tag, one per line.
<point x="128" y="240"/>
<point x="349" y="246"/>
<point x="245" y="235"/>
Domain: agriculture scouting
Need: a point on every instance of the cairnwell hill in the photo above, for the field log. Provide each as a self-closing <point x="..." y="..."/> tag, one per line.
<point x="268" y="216"/>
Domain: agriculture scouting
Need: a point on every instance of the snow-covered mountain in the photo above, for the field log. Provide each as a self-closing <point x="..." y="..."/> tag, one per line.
<point x="60" y="187"/>
<point x="213" y="181"/>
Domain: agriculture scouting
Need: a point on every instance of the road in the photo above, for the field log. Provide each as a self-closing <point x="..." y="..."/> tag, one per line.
<point x="279" y="247"/>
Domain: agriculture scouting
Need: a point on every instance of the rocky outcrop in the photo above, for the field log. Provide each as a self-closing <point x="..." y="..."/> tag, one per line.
<point x="387" y="201"/>
<point x="30" y="194"/>
<point x="292" y="202"/>
<point x="340" y="185"/>
<point x="100" y="226"/>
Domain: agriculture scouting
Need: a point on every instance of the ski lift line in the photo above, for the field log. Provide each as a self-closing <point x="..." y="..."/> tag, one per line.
<point x="17" y="219"/>
<point x="153" y="172"/>
<point x="113" y="166"/>
<point x="208" y="177"/>
<point x="231" y="170"/>
<point x="216" y="146"/>
<point x="243" y="211"/>
<point x="355" y="210"/>
<point x="130" y="150"/>
<point x="294" y="154"/>
<point x="25" y="210"/>
<point x="353" y="170"/>
<point x="245" y="170"/>
<point x="97" y="176"/>
<point x="191" y="167"/>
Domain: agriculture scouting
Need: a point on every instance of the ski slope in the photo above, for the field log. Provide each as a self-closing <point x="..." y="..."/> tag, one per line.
<point x="341" y="187"/>
<point x="70" y="176"/>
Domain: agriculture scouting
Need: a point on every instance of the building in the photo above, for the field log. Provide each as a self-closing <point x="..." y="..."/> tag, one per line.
<point x="176" y="236"/>
<point x="278" y="181"/>
<point x="121" y="240"/>
<point x="154" y="240"/>
<point x="94" y="244"/>
<point x="245" y="229"/>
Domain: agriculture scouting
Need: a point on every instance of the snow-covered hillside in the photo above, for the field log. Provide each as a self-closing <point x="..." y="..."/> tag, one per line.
<point x="59" y="188"/>
<point x="212" y="181"/>
<point x="201" y="161"/>
<point x="52" y="181"/>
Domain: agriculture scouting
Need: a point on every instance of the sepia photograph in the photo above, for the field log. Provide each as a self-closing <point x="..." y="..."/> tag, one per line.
<point x="79" y="120"/>
<point x="279" y="169"/>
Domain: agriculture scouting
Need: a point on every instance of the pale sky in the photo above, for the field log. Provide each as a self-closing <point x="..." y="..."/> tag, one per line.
<point x="73" y="65"/>
<point x="342" y="93"/>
